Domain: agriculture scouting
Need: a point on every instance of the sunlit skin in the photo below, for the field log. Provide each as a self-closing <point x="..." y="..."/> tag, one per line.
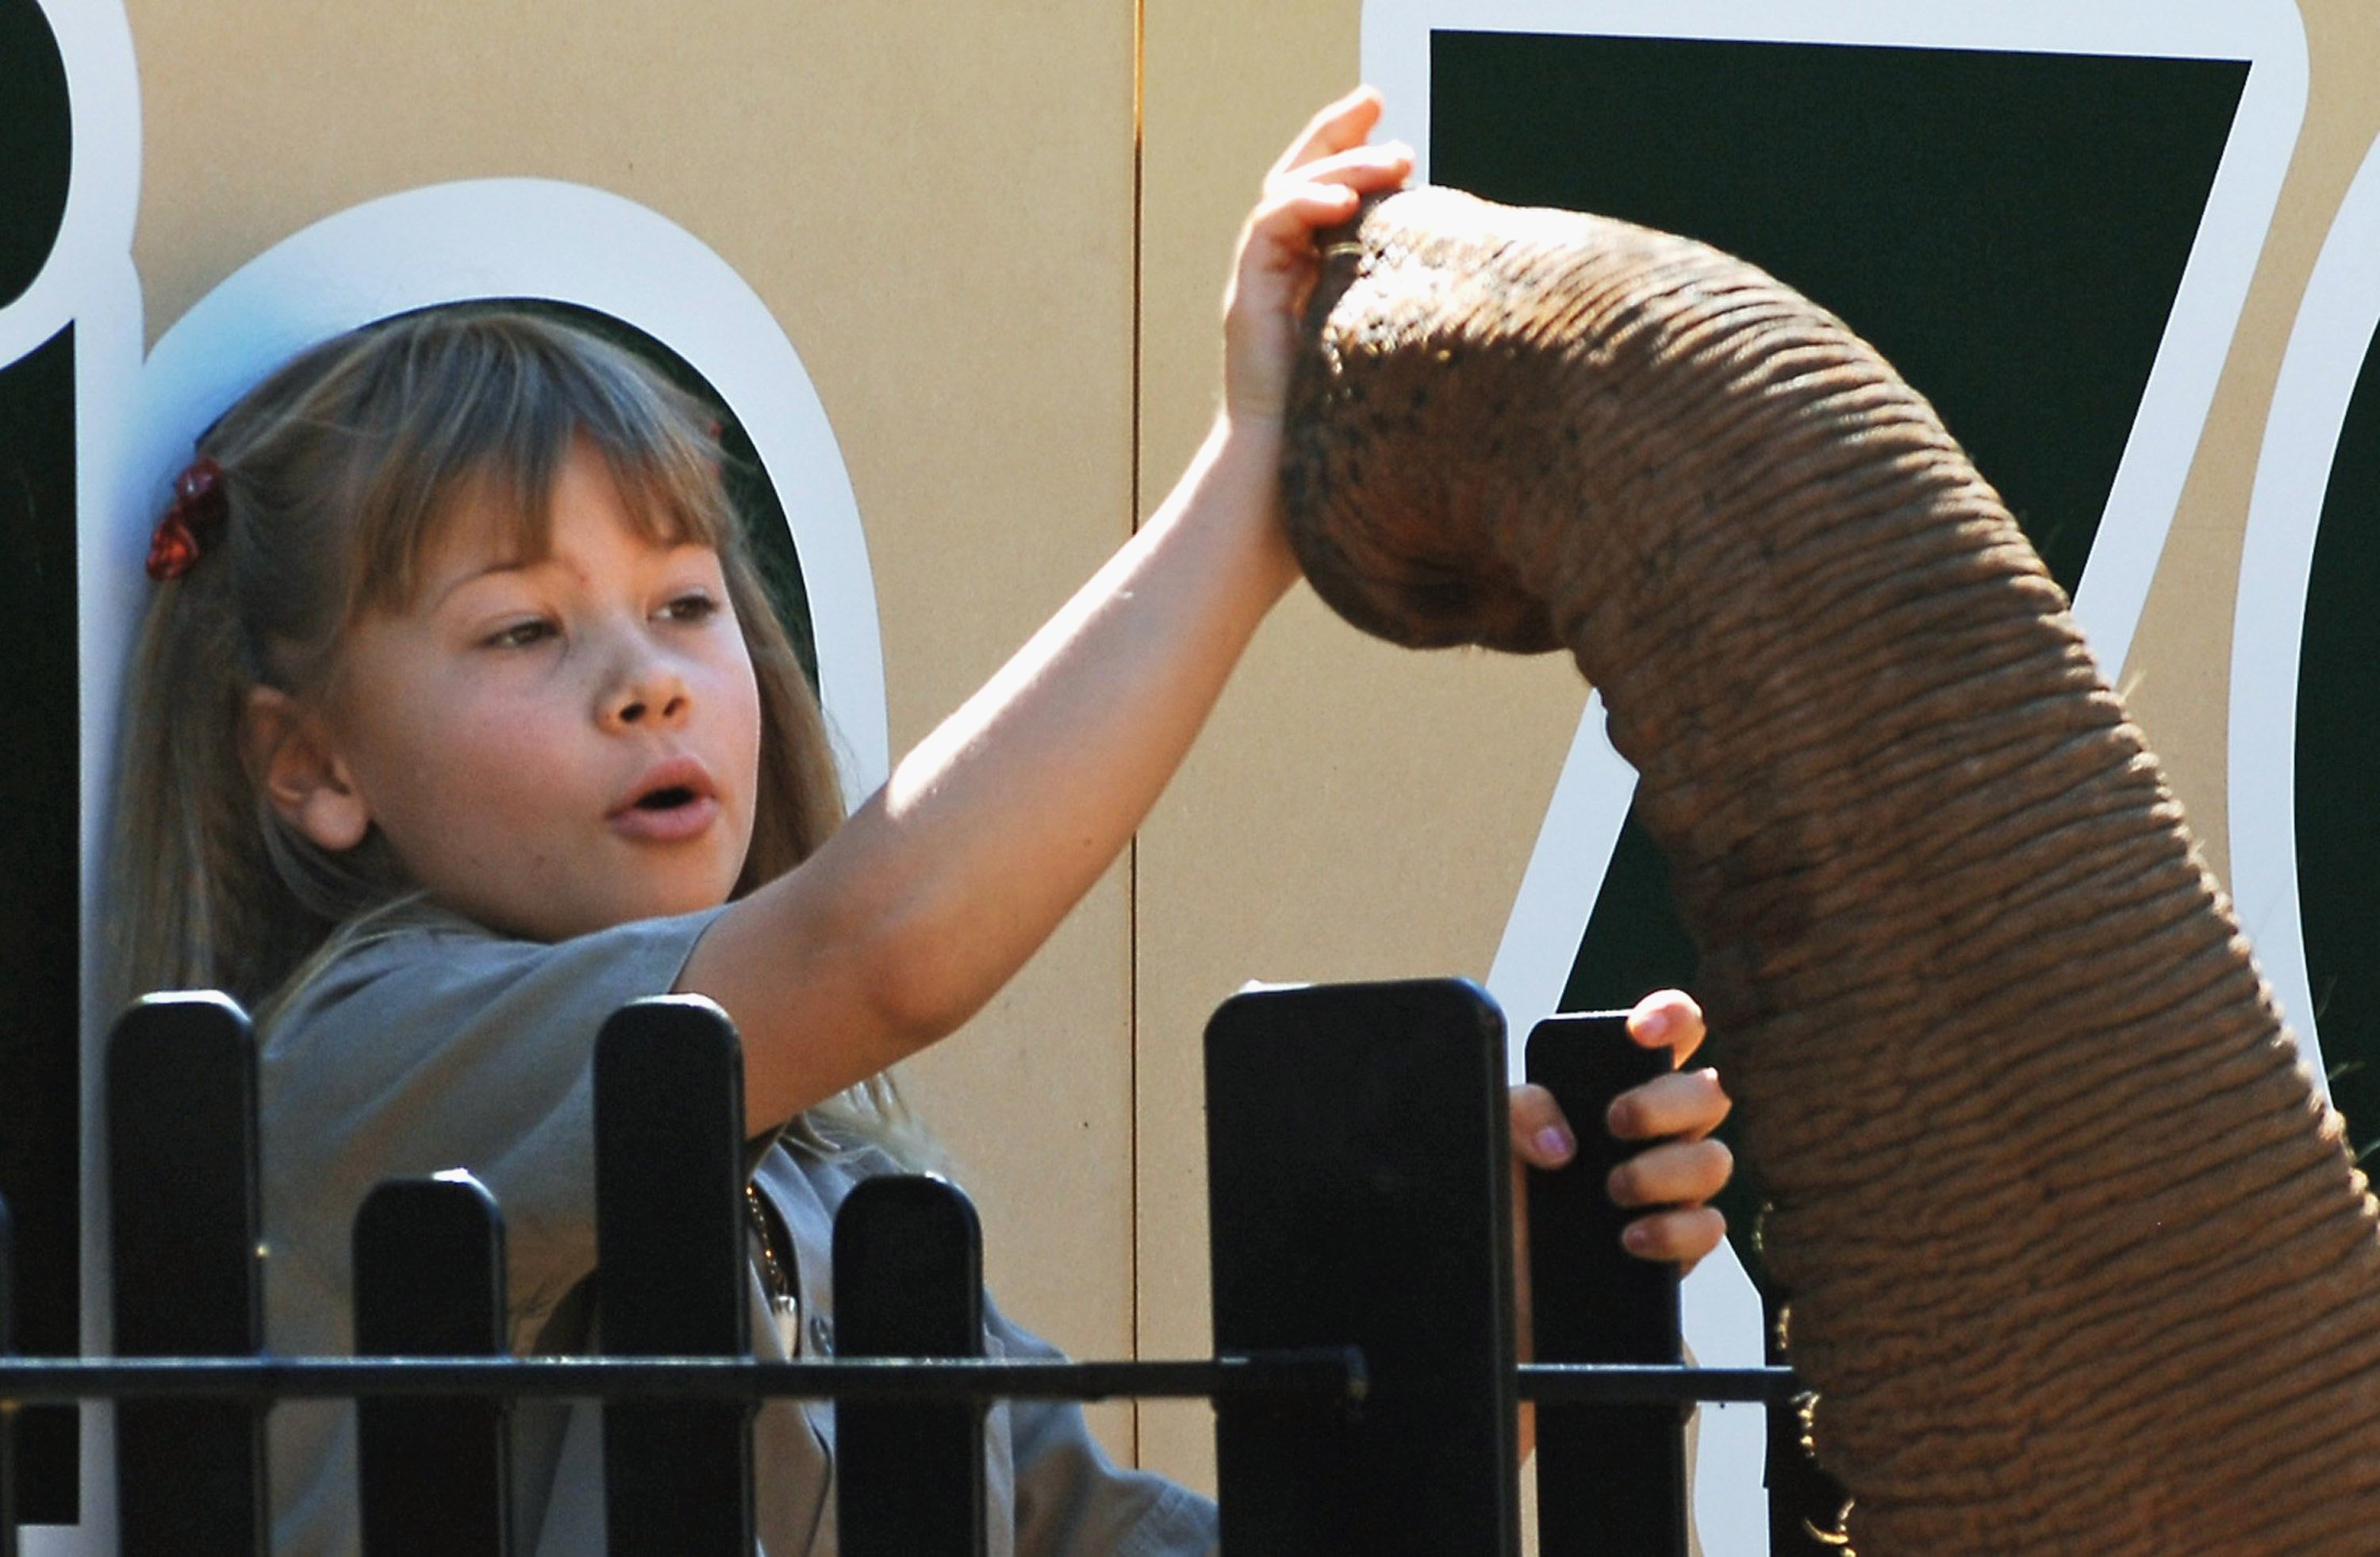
<point x="501" y="728"/>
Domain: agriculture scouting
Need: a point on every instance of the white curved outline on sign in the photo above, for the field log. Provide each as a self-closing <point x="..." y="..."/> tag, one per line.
<point x="525" y="237"/>
<point x="103" y="186"/>
<point x="2338" y="318"/>
<point x="1582" y="824"/>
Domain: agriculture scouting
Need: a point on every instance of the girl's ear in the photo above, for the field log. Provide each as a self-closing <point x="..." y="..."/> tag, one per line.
<point x="289" y="755"/>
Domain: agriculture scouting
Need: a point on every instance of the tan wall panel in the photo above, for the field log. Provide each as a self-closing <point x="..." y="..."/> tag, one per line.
<point x="938" y="205"/>
<point x="935" y="203"/>
<point x="2178" y="682"/>
<point x="1353" y="811"/>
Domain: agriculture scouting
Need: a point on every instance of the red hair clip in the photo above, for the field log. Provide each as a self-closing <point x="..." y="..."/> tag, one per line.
<point x="199" y="504"/>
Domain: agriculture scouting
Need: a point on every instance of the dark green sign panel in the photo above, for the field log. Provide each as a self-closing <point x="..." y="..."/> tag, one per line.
<point x="2338" y="766"/>
<point x="2009" y="228"/>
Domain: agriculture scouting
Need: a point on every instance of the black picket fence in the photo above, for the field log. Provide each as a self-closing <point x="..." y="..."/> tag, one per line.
<point x="1363" y="1382"/>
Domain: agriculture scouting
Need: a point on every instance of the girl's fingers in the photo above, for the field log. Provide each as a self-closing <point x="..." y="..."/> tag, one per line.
<point x="1363" y="166"/>
<point x="1681" y="1237"/>
<point x="1316" y="184"/>
<point x="1281" y="228"/>
<point x="1541" y="1136"/>
<point x="1668" y="1019"/>
<point x="1334" y="128"/>
<point x="1688" y="1103"/>
<point x="1677" y="1173"/>
<point x="1324" y="194"/>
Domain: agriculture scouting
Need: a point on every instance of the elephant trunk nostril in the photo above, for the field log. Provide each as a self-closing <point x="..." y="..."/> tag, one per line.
<point x="2077" y="1263"/>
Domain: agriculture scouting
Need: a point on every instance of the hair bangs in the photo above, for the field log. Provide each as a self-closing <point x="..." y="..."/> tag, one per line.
<point x="486" y="410"/>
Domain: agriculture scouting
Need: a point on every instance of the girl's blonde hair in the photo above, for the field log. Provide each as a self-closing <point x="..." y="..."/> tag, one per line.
<point x="336" y="473"/>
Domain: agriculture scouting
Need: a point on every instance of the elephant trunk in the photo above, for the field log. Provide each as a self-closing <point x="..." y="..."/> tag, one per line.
<point x="2077" y="1260"/>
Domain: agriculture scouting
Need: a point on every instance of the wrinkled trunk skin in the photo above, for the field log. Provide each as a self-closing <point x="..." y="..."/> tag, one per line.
<point x="2077" y="1262"/>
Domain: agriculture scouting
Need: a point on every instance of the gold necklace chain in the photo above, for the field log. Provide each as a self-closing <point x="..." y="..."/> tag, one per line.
<point x="782" y="1293"/>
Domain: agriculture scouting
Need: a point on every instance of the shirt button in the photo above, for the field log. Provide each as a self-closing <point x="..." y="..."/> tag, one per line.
<point x="822" y="1335"/>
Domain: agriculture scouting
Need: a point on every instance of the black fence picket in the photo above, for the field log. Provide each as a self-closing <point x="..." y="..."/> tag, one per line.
<point x="908" y="1281"/>
<point x="187" y="1271"/>
<point x="1363" y="1386"/>
<point x="1357" y="1190"/>
<point x="670" y="1230"/>
<point x="1611" y="1476"/>
<point x="8" y="1407"/>
<point x="433" y="1474"/>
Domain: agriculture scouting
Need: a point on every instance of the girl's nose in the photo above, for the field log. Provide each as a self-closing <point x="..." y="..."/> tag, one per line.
<point x="648" y="695"/>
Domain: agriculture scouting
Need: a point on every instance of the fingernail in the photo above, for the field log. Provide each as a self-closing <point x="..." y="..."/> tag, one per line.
<point x="1554" y="1141"/>
<point x="1637" y="1239"/>
<point x="1657" y="1024"/>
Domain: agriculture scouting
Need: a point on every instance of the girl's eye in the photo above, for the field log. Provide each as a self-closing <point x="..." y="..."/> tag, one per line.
<point x="521" y="635"/>
<point x="696" y="606"/>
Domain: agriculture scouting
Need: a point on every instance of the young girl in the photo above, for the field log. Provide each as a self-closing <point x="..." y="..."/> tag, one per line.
<point x="459" y="720"/>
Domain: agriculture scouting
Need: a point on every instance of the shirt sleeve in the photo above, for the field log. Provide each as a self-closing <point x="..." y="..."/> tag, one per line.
<point x="436" y="1048"/>
<point x="1072" y="1500"/>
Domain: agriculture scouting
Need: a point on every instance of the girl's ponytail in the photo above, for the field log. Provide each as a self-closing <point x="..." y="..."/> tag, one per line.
<point x="207" y="888"/>
<point x="177" y="873"/>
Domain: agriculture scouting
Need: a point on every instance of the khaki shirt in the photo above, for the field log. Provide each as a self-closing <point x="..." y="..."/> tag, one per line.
<point x="431" y="1044"/>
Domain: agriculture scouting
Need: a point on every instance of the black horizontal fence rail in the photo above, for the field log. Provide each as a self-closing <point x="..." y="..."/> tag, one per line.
<point x="1327" y="1375"/>
<point x="1365" y="1383"/>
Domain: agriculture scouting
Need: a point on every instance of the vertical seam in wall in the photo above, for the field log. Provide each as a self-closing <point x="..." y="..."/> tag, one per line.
<point x="1132" y="852"/>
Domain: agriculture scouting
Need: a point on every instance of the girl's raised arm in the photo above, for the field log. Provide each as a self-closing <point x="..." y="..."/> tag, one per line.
<point x="945" y="882"/>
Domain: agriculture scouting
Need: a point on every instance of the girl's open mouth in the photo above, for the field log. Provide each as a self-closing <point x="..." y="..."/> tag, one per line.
<point x="667" y="815"/>
<point x="674" y="802"/>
